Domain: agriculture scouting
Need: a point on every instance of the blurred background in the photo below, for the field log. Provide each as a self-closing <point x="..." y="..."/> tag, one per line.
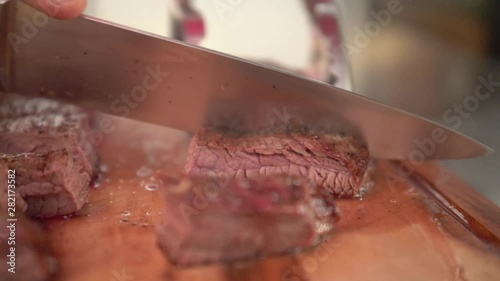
<point x="437" y="58"/>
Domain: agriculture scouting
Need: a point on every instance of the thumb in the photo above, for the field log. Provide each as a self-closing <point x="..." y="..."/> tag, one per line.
<point x="60" y="9"/>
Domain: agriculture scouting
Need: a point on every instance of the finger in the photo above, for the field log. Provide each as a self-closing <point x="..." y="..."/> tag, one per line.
<point x="60" y="9"/>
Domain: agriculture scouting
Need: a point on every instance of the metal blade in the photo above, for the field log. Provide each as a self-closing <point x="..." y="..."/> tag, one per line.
<point x="149" y="78"/>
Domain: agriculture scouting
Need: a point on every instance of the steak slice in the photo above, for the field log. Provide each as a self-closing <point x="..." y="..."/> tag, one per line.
<point x="205" y="221"/>
<point x="46" y="132"/>
<point x="49" y="145"/>
<point x="335" y="162"/>
<point x="52" y="184"/>
<point x="5" y="182"/>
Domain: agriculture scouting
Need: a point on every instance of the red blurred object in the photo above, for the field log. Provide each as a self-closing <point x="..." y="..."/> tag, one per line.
<point x="192" y="25"/>
<point x="193" y="29"/>
<point x="323" y="13"/>
<point x="330" y="65"/>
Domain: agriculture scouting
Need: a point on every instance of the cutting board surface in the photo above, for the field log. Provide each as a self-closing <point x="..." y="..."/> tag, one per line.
<point x="397" y="231"/>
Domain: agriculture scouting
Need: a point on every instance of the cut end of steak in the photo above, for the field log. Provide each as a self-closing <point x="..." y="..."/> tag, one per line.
<point x="337" y="163"/>
<point x="49" y="146"/>
<point x="51" y="184"/>
<point x="45" y="132"/>
<point x="207" y="221"/>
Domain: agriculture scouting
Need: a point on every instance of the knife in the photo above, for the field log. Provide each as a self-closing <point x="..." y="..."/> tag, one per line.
<point x="133" y="74"/>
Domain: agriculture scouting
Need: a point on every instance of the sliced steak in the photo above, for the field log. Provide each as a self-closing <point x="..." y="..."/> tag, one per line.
<point x="337" y="163"/>
<point x="51" y="184"/>
<point x="49" y="145"/>
<point x="206" y="221"/>
<point x="7" y="188"/>
<point x="46" y="132"/>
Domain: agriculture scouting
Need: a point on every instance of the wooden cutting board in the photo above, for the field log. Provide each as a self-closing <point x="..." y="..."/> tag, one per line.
<point x="425" y="226"/>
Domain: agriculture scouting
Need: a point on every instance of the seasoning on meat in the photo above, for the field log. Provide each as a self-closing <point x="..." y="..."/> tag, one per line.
<point x="49" y="145"/>
<point x="45" y="132"/>
<point x="205" y="221"/>
<point x="335" y="162"/>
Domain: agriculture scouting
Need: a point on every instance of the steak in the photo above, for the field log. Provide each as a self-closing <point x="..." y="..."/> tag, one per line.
<point x="335" y="162"/>
<point x="205" y="221"/>
<point x="51" y="184"/>
<point x="49" y="145"/>
<point x="20" y="204"/>
<point x="45" y="132"/>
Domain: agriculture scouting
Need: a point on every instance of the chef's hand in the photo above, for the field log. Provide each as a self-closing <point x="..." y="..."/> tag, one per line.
<point x="60" y="9"/>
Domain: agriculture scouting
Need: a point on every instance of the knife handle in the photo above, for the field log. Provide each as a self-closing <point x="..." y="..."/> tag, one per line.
<point x="7" y="18"/>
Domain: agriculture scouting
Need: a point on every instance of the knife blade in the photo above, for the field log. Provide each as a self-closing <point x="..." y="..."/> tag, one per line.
<point x="134" y="74"/>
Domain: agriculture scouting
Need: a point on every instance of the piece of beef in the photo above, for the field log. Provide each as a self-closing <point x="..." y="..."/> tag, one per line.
<point x="45" y="132"/>
<point x="20" y="204"/>
<point x="207" y="221"/>
<point x="33" y="260"/>
<point x="58" y="158"/>
<point x="51" y="184"/>
<point x="335" y="162"/>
